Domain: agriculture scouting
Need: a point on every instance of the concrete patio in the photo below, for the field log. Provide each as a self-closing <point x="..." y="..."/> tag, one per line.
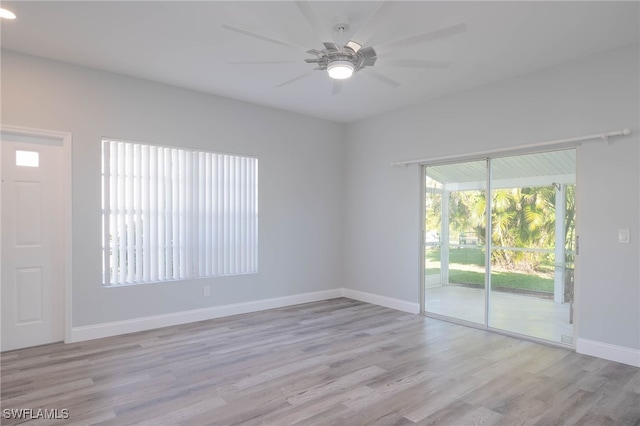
<point x="516" y="313"/>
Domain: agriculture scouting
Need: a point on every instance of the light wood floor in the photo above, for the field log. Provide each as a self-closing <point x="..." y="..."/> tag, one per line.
<point x="338" y="362"/>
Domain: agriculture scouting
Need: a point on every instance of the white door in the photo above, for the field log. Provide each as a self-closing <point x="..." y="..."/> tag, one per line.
<point x="31" y="210"/>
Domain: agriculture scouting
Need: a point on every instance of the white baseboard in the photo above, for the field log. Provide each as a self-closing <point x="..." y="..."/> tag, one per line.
<point x="611" y="352"/>
<point x="387" y="302"/>
<point x="98" y="331"/>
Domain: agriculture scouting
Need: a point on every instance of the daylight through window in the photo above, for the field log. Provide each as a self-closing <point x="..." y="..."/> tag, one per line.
<point x="173" y="213"/>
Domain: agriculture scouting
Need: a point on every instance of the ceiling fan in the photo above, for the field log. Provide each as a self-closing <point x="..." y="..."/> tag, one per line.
<point x="341" y="61"/>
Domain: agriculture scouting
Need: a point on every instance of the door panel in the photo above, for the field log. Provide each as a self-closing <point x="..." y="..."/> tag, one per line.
<point x="531" y="229"/>
<point x="29" y="291"/>
<point x="27" y="211"/>
<point x="454" y="251"/>
<point x="32" y="287"/>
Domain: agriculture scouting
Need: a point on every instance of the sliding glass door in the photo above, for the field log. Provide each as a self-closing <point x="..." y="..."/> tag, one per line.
<point x="514" y="272"/>
<point x="454" y="240"/>
<point x="532" y="234"/>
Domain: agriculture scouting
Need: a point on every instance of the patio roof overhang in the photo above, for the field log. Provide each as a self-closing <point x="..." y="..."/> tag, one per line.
<point x="532" y="170"/>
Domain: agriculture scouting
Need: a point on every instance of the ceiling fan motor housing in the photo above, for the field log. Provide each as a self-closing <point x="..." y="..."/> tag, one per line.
<point x="351" y="52"/>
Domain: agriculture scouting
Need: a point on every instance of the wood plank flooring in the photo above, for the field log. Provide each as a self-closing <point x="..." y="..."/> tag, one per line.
<point x="336" y="362"/>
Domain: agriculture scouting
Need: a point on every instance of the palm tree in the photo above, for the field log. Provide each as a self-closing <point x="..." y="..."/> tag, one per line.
<point x="520" y="217"/>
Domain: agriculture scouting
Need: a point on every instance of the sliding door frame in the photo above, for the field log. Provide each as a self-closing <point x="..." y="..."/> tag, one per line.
<point x="487" y="158"/>
<point x="488" y="242"/>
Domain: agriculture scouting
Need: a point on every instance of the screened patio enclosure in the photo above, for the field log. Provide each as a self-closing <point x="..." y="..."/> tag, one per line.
<point x="513" y="272"/>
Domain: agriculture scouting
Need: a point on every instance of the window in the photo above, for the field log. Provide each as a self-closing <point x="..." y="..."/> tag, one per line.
<point x="27" y="158"/>
<point x="174" y="213"/>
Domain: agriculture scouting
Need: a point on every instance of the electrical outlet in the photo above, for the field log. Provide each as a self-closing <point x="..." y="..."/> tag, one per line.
<point x="623" y="236"/>
<point x="206" y="291"/>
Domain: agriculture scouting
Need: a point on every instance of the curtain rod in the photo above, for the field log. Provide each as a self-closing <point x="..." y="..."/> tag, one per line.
<point x="560" y="142"/>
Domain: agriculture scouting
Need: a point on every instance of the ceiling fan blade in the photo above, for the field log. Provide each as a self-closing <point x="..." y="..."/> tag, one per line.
<point x="336" y="88"/>
<point x="262" y="37"/>
<point x="314" y="52"/>
<point x="378" y="14"/>
<point x="415" y="63"/>
<point x="311" y="17"/>
<point x="330" y="45"/>
<point x="353" y="46"/>
<point x="426" y="37"/>
<point x="261" y="62"/>
<point x="293" y="80"/>
<point x="369" y="55"/>
<point x="382" y="78"/>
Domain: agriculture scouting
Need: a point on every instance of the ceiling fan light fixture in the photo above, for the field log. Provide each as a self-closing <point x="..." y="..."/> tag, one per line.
<point x="340" y="69"/>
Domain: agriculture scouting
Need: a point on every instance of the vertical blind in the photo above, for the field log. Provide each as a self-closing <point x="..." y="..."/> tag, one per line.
<point x="172" y="213"/>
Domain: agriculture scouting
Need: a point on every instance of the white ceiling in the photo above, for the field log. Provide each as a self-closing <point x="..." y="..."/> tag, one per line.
<point x="184" y="44"/>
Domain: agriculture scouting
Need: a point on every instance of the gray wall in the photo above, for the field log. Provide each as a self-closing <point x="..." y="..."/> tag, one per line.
<point x="300" y="180"/>
<point x="592" y="95"/>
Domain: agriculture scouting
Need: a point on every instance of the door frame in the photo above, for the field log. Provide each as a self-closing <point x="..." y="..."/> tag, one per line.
<point x="65" y="139"/>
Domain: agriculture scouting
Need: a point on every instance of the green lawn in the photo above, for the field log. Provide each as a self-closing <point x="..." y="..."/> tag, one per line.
<point x="461" y="260"/>
<point x="462" y="256"/>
